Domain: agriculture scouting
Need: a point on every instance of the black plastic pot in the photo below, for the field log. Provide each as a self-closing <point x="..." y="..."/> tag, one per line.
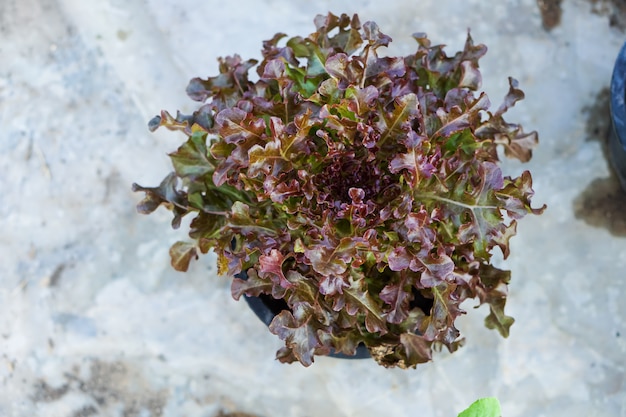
<point x="617" y="138"/>
<point x="266" y="308"/>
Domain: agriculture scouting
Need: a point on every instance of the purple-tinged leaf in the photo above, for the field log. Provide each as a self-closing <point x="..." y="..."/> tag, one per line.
<point x="201" y="118"/>
<point x="271" y="52"/>
<point x="384" y="71"/>
<point x="395" y="124"/>
<point x="296" y="142"/>
<point x="348" y="37"/>
<point x="458" y="120"/>
<point x="253" y="286"/>
<point x="516" y="143"/>
<point x="226" y="168"/>
<point x="236" y="126"/>
<point x="397" y="295"/>
<point x="520" y="146"/>
<point x="198" y="89"/>
<point x="274" y="69"/>
<point x="516" y="195"/>
<point x="374" y="36"/>
<point x="272" y="266"/>
<point x="477" y="210"/>
<point x="470" y="76"/>
<point x="362" y="100"/>
<point x="404" y="206"/>
<point x="285" y="355"/>
<point x="303" y="289"/>
<point x="284" y="190"/>
<point x="422" y="39"/>
<point x="332" y="284"/>
<point x="328" y="259"/>
<point x="445" y="310"/>
<point x="342" y="342"/>
<point x="399" y="259"/>
<point x="494" y="293"/>
<point x="181" y="254"/>
<point x="299" y="336"/>
<point x="502" y="235"/>
<point x="414" y="161"/>
<point x="329" y="90"/>
<point x="497" y="319"/>
<point x="337" y="67"/>
<point x="513" y="96"/>
<point x="165" y="194"/>
<point x="435" y="270"/>
<point x="265" y="159"/>
<point x="356" y="195"/>
<point x="225" y="89"/>
<point x="416" y="349"/>
<point x="419" y="230"/>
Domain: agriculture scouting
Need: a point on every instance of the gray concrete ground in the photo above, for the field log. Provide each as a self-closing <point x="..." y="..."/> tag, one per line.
<point x="94" y="322"/>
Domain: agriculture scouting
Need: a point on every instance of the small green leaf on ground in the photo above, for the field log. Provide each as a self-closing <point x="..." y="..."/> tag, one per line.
<point x="485" y="407"/>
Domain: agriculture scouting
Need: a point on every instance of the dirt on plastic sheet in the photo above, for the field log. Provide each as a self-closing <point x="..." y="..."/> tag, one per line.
<point x="603" y="203"/>
<point x="550" y="13"/>
<point x="615" y="10"/>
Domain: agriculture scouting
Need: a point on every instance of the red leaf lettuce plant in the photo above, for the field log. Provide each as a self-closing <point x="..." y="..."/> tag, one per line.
<point x="362" y="190"/>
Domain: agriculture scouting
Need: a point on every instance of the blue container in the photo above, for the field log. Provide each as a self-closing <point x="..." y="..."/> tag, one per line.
<point x="617" y="137"/>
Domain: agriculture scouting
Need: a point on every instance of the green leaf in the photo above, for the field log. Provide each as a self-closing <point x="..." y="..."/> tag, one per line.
<point x="302" y="83"/>
<point x="304" y="291"/>
<point x="306" y="48"/>
<point x="206" y="229"/>
<point x="329" y="92"/>
<point x="464" y="141"/>
<point x="242" y="220"/>
<point x="358" y="300"/>
<point x="484" y="407"/>
<point x="474" y="208"/>
<point x="192" y="158"/>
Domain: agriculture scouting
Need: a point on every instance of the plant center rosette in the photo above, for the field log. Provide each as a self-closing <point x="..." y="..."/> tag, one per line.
<point x="351" y="186"/>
